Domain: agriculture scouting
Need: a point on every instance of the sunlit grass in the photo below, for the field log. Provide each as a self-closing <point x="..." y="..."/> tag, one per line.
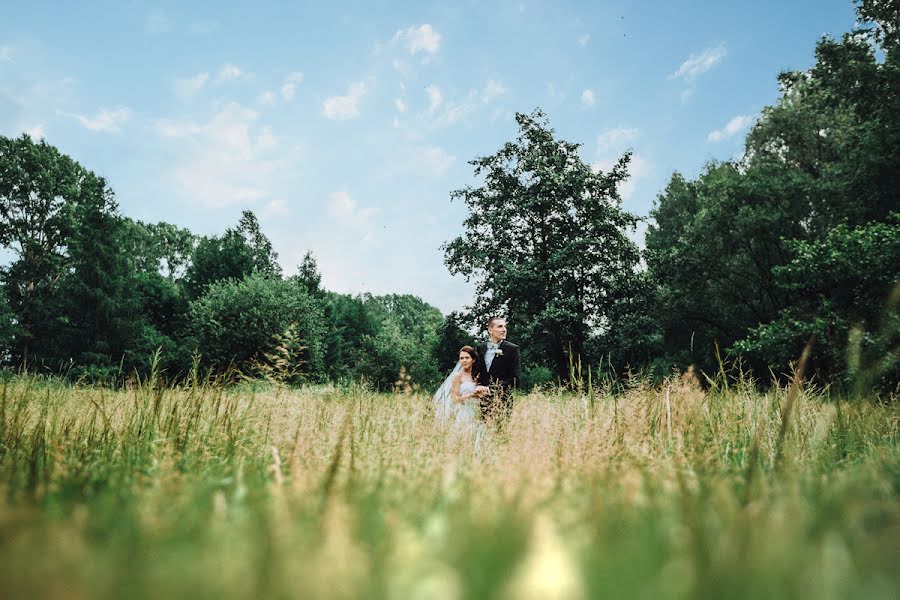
<point x="322" y="492"/>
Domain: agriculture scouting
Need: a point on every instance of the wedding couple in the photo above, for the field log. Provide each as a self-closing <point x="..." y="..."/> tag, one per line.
<point x="480" y="387"/>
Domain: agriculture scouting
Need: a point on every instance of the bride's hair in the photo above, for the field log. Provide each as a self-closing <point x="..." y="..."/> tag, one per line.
<point x="476" y="368"/>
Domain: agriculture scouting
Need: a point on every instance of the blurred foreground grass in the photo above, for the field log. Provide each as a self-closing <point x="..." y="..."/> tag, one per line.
<point x="205" y="492"/>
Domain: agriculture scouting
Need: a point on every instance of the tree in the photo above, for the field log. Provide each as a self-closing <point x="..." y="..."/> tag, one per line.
<point x="262" y="256"/>
<point x="545" y="241"/>
<point x="710" y="251"/>
<point x="883" y="20"/>
<point x="236" y="254"/>
<point x="450" y="338"/>
<point x="840" y="283"/>
<point x="348" y="323"/>
<point x="159" y="248"/>
<point x="101" y="317"/>
<point x="758" y="255"/>
<point x="237" y="321"/>
<point x="38" y="186"/>
<point x="308" y="275"/>
<point x="8" y="326"/>
<point x="405" y="337"/>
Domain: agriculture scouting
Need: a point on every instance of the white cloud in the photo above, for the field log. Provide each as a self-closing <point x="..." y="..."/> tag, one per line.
<point x="345" y="107"/>
<point x="224" y="161"/>
<point x="733" y="127"/>
<point x="229" y="72"/>
<point x="344" y="209"/>
<point x="289" y="87"/>
<point x="686" y="94"/>
<point x="36" y="132"/>
<point x="6" y="54"/>
<point x="266" y="139"/>
<point x="588" y="98"/>
<point x="616" y="140"/>
<point x="266" y="98"/>
<point x="443" y="112"/>
<point x="400" y="104"/>
<point x="419" y="39"/>
<point x="492" y="91"/>
<point x="639" y="168"/>
<point x="583" y="40"/>
<point x="611" y="144"/>
<point x="107" y="120"/>
<point x="435" y="98"/>
<point x="698" y="64"/>
<point x="188" y="86"/>
<point x="436" y="161"/>
<point x="275" y="208"/>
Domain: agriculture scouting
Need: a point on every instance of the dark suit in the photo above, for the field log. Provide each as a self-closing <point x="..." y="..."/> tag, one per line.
<point x="502" y="378"/>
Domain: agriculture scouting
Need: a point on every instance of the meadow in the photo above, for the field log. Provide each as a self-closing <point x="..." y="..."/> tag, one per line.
<point x="207" y="491"/>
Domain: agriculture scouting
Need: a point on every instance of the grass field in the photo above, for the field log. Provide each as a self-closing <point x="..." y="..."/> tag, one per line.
<point x="206" y="492"/>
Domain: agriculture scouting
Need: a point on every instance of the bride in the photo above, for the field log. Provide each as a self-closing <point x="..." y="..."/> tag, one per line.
<point x="459" y="398"/>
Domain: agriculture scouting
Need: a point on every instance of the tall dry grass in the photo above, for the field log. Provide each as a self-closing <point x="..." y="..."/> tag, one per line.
<point x="671" y="492"/>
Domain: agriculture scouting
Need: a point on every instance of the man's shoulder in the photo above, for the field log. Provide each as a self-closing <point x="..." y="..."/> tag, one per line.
<point x="509" y="345"/>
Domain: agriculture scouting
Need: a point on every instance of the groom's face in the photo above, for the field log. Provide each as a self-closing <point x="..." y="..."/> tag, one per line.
<point x="497" y="330"/>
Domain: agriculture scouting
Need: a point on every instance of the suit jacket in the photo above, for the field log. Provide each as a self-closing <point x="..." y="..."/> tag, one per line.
<point x="505" y="368"/>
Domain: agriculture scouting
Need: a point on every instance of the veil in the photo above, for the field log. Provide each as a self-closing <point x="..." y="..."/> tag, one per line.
<point x="442" y="402"/>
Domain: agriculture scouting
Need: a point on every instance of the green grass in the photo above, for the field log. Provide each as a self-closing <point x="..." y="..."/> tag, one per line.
<point x="207" y="492"/>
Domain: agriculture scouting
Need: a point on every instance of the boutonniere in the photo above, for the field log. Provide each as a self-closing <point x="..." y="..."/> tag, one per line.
<point x="499" y="352"/>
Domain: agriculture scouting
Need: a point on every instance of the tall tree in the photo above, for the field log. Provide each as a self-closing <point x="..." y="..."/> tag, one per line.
<point x="234" y="255"/>
<point x="308" y="275"/>
<point x="545" y="241"/>
<point x="100" y="310"/>
<point x="38" y="188"/>
<point x="161" y="248"/>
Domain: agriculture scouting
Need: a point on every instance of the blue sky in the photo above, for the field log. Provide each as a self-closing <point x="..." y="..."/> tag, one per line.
<point x="345" y="126"/>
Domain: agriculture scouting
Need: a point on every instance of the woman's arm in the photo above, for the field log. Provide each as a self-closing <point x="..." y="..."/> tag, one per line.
<point x="454" y="390"/>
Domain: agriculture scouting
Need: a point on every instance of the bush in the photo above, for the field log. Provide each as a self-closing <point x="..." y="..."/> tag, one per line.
<point x="236" y="322"/>
<point x="536" y="376"/>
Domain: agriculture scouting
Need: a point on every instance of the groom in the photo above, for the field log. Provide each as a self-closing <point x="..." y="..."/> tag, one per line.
<point x="499" y="359"/>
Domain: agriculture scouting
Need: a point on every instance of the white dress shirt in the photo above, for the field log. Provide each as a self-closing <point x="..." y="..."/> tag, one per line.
<point x="490" y="353"/>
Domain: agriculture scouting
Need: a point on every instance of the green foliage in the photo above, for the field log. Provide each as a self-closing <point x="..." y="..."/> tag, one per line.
<point x="882" y="20"/>
<point x="99" y="309"/>
<point x="405" y="336"/>
<point x="347" y="323"/>
<point x="235" y="322"/>
<point x="159" y="248"/>
<point x="798" y="238"/>
<point x="308" y="275"/>
<point x="236" y="254"/>
<point x="451" y="337"/>
<point x="38" y="188"/>
<point x="537" y="376"/>
<point x="546" y="242"/>
<point x="837" y="284"/>
<point x="8" y="325"/>
<point x="710" y="251"/>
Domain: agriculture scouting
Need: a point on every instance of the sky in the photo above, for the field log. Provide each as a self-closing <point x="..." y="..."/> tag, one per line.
<point x="345" y="126"/>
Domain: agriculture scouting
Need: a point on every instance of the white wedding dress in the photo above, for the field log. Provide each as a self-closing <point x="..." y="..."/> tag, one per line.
<point x="465" y="418"/>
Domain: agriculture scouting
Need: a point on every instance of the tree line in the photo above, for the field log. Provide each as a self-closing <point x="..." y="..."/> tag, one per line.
<point x="795" y="242"/>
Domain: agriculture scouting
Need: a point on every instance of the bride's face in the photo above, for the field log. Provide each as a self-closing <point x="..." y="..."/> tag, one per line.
<point x="465" y="359"/>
